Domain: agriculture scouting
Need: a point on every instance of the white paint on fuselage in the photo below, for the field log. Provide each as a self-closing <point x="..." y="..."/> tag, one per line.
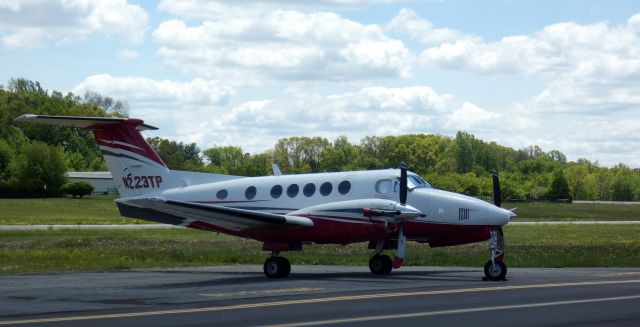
<point x="439" y="206"/>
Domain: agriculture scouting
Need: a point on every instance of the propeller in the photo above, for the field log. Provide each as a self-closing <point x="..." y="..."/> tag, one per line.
<point x="497" y="194"/>
<point x="402" y="238"/>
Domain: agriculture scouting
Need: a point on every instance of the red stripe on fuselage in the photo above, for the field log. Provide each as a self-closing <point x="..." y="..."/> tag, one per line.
<point x="327" y="230"/>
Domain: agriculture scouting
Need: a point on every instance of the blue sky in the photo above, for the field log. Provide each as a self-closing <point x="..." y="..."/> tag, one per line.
<point x="564" y="75"/>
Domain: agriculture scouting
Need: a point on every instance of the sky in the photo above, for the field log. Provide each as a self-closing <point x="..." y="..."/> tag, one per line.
<point x="563" y="75"/>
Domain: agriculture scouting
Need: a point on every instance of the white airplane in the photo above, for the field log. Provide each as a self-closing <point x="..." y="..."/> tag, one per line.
<point x="383" y="207"/>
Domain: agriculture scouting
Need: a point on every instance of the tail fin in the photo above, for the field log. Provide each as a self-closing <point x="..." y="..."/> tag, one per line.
<point x="136" y="168"/>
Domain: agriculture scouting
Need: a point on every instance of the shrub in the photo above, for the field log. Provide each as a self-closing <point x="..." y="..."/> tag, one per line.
<point x="77" y="188"/>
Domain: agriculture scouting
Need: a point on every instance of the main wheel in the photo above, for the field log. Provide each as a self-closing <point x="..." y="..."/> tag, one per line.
<point x="496" y="271"/>
<point x="277" y="267"/>
<point x="380" y="264"/>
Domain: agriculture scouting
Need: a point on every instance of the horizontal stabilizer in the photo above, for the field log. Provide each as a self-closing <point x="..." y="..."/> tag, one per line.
<point x="83" y="122"/>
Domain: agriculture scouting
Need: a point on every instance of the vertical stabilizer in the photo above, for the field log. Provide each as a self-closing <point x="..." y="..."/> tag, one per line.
<point x="136" y="168"/>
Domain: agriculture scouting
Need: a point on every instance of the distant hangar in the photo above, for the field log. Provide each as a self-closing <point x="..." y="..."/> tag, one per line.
<point x="102" y="181"/>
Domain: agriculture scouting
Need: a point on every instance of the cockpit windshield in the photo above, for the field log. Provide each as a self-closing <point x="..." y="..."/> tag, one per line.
<point x="415" y="181"/>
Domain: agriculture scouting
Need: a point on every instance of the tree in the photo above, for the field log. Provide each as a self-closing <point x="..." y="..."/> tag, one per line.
<point x="113" y="107"/>
<point x="6" y="156"/>
<point x="464" y="151"/>
<point x="39" y="166"/>
<point x="622" y="188"/>
<point x="176" y="155"/>
<point x="230" y="159"/>
<point x="341" y="156"/>
<point x="559" y="189"/>
<point x="557" y="156"/>
<point x="79" y="189"/>
<point x="581" y="185"/>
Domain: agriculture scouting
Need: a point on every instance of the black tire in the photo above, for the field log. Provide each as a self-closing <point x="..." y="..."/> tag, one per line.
<point x="380" y="264"/>
<point x="495" y="272"/>
<point x="388" y="264"/>
<point x="276" y="267"/>
<point x="286" y="266"/>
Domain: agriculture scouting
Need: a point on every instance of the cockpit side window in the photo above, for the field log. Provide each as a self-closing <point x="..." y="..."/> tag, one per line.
<point x="415" y="181"/>
<point x="383" y="186"/>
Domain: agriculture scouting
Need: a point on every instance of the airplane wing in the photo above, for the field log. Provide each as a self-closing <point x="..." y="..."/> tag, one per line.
<point x="183" y="213"/>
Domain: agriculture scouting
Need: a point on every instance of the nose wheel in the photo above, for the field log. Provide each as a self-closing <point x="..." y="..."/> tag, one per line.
<point x="277" y="267"/>
<point x="495" y="269"/>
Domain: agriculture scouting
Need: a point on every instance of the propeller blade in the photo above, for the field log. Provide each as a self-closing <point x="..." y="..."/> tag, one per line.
<point x="402" y="247"/>
<point x="403" y="184"/>
<point x="497" y="195"/>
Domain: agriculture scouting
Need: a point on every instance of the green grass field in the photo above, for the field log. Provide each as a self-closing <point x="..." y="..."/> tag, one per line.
<point x="90" y="250"/>
<point x="87" y="250"/>
<point x="100" y="209"/>
<point x="542" y="211"/>
<point x="95" y="209"/>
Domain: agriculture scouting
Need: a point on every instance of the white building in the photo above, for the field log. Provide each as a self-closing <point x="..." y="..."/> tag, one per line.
<point x="102" y="181"/>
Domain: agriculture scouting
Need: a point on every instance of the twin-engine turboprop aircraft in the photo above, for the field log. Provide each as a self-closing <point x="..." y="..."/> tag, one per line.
<point x="383" y="207"/>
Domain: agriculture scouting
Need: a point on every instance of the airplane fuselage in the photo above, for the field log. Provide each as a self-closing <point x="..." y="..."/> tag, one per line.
<point x="450" y="219"/>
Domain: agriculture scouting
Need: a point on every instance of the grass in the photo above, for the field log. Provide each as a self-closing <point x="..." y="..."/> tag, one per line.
<point x="100" y="209"/>
<point x="90" y="250"/>
<point x="95" y="209"/>
<point x="542" y="211"/>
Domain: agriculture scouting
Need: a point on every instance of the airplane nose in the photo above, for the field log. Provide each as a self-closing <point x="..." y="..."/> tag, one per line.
<point x="506" y="215"/>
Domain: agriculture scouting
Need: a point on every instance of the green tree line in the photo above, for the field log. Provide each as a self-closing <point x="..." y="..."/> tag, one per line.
<point x="461" y="164"/>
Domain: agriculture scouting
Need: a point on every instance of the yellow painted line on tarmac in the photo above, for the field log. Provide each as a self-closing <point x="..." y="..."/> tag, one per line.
<point x="312" y="300"/>
<point x="454" y="311"/>
<point x="276" y="291"/>
<point x="626" y="273"/>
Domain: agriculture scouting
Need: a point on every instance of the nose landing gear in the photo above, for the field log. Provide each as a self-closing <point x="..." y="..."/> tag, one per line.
<point x="380" y="264"/>
<point x="495" y="269"/>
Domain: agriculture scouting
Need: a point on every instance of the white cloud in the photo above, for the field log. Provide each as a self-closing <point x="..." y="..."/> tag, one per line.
<point x="31" y="23"/>
<point x="205" y="9"/>
<point x="128" y="54"/>
<point x="591" y="68"/>
<point x="470" y="116"/>
<point x="282" y="44"/>
<point x="257" y="125"/>
<point x="163" y="93"/>
<point x="408" y="22"/>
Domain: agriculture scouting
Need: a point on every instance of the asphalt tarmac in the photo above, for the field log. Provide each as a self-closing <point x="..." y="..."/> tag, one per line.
<point x="321" y="296"/>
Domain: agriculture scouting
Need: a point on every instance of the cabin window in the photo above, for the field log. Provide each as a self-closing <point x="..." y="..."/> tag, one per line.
<point x="309" y="189"/>
<point x="344" y="187"/>
<point x="384" y="186"/>
<point x="396" y="186"/>
<point x="222" y="194"/>
<point x="292" y="190"/>
<point x="326" y="188"/>
<point x="276" y="191"/>
<point x="250" y="192"/>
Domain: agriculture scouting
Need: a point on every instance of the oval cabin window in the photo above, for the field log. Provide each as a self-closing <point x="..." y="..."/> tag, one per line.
<point x="250" y="193"/>
<point x="309" y="189"/>
<point x="292" y="190"/>
<point x="344" y="187"/>
<point x="276" y="191"/>
<point x="326" y="188"/>
<point x="222" y="194"/>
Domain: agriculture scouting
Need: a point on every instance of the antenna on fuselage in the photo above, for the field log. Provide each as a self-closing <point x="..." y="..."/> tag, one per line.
<point x="276" y="169"/>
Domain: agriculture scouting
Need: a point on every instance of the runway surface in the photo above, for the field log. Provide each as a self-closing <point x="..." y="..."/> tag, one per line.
<point x="323" y="295"/>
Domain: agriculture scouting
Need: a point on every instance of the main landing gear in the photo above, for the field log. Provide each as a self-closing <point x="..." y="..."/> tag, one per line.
<point x="276" y="266"/>
<point x="380" y="264"/>
<point x="495" y="269"/>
